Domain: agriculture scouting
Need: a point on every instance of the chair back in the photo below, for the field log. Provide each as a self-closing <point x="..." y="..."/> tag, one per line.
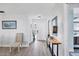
<point x="19" y="37"/>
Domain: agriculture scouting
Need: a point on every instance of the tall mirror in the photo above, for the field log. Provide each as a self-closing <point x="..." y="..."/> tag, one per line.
<point x="54" y="26"/>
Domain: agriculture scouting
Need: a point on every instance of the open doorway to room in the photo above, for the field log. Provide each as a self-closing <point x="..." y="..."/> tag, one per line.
<point x="39" y="29"/>
<point x="34" y="31"/>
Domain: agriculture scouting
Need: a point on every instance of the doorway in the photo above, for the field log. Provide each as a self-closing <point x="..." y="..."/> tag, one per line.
<point x="34" y="31"/>
<point x="39" y="29"/>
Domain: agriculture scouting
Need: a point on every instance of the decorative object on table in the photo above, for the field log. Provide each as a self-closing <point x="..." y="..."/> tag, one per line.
<point x="11" y="24"/>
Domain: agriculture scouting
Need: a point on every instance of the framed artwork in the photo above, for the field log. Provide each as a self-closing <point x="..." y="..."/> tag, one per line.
<point x="9" y="24"/>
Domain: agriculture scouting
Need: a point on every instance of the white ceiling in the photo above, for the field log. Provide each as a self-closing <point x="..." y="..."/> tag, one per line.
<point x="27" y="8"/>
<point x="75" y="5"/>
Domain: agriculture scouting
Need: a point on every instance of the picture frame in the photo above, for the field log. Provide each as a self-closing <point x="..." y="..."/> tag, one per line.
<point x="9" y="24"/>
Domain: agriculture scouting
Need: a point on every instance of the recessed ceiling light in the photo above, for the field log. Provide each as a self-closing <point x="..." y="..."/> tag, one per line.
<point x="39" y="16"/>
<point x="2" y="12"/>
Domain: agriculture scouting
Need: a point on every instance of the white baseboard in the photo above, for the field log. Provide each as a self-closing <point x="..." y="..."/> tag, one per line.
<point x="7" y="45"/>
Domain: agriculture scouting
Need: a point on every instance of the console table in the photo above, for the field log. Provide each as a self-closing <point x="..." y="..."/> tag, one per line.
<point x="54" y="41"/>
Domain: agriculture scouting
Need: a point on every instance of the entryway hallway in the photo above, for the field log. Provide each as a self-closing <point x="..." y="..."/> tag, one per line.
<point x="38" y="48"/>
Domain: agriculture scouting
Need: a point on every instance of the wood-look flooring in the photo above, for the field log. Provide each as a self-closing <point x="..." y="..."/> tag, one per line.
<point x="38" y="48"/>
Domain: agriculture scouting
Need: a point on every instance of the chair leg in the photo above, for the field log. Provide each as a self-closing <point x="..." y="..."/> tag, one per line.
<point x="10" y="49"/>
<point x="18" y="49"/>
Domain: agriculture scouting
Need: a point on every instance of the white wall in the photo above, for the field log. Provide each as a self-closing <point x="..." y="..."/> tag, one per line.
<point x="68" y="29"/>
<point x="65" y="28"/>
<point x="23" y="26"/>
<point x="58" y="11"/>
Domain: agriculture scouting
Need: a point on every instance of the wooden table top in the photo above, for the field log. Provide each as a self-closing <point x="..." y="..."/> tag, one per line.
<point x="54" y="41"/>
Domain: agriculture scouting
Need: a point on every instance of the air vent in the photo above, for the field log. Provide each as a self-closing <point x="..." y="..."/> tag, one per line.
<point x="2" y="12"/>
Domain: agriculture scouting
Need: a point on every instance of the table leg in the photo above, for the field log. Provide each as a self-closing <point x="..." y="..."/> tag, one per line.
<point x="49" y="45"/>
<point x="57" y="49"/>
<point x="52" y="50"/>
